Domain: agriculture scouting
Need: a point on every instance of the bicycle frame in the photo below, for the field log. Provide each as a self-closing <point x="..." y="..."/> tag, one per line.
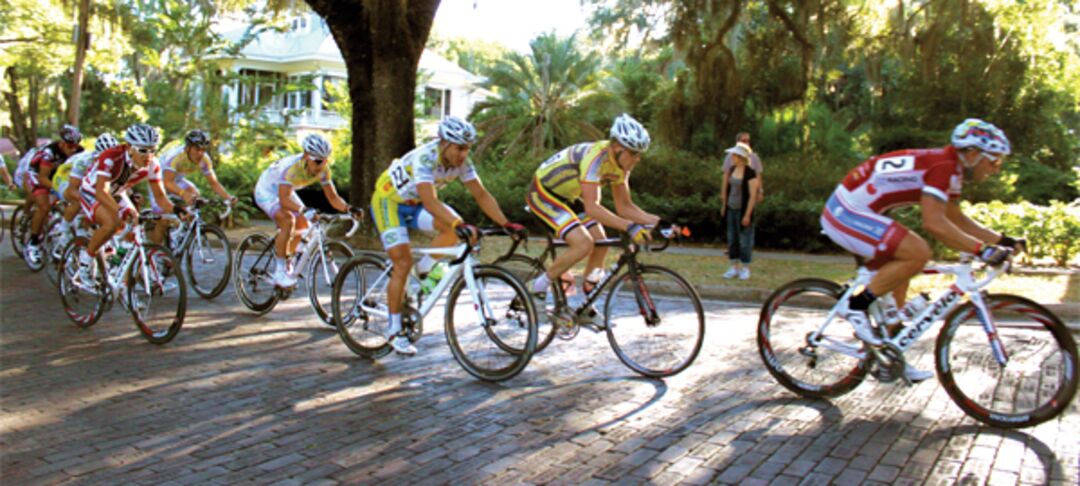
<point x="114" y="275"/>
<point x="965" y="285"/>
<point x="463" y="265"/>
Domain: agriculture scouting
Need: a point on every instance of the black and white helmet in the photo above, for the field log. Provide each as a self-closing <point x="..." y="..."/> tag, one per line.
<point x="197" y="138"/>
<point x="70" y="134"/>
<point x="629" y="133"/>
<point x="316" y="146"/>
<point x="457" y="130"/>
<point x="104" y="142"/>
<point x="142" y="135"/>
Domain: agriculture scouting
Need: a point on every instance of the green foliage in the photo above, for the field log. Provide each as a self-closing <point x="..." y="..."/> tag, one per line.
<point x="111" y="105"/>
<point x="1052" y="231"/>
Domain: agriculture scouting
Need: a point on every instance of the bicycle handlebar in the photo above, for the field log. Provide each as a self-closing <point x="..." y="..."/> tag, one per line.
<point x="481" y="232"/>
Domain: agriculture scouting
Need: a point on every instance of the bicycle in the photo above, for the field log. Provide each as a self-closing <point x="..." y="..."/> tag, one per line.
<point x="55" y="241"/>
<point x="137" y="273"/>
<point x="204" y="249"/>
<point x="318" y="256"/>
<point x="492" y="333"/>
<point x="806" y="354"/>
<point x="644" y="315"/>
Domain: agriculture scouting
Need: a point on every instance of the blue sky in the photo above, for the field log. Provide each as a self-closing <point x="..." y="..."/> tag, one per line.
<point x="510" y="22"/>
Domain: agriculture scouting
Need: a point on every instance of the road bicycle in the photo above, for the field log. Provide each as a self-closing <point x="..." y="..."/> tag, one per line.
<point x="56" y="240"/>
<point x="21" y="221"/>
<point x="1005" y="360"/>
<point x="204" y="249"/>
<point x="490" y="321"/>
<point x="145" y="278"/>
<point x="653" y="317"/>
<point x="317" y="261"/>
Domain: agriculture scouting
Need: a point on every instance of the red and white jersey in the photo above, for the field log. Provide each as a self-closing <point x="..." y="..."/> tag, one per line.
<point x="901" y="178"/>
<point x="116" y="164"/>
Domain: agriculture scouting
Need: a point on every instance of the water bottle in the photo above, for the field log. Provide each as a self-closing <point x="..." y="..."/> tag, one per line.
<point x="108" y="252"/>
<point x="885" y="311"/>
<point x="432" y="278"/>
<point x="916" y="305"/>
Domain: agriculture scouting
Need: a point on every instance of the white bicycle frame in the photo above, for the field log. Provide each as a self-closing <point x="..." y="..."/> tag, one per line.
<point x="965" y="285"/>
<point x="465" y="267"/>
<point x="114" y="277"/>
<point x="314" y="245"/>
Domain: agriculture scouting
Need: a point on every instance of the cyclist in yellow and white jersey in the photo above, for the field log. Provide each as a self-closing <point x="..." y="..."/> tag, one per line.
<point x="68" y="177"/>
<point x="406" y="196"/>
<point x="178" y="163"/>
<point x="275" y="194"/>
<point x="577" y="173"/>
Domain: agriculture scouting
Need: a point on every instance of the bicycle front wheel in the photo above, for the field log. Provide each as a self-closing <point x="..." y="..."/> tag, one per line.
<point x="20" y="227"/>
<point x="809" y="364"/>
<point x="655" y="322"/>
<point x="508" y="315"/>
<point x="320" y="275"/>
<point x="362" y="280"/>
<point x="252" y="270"/>
<point x="1038" y="380"/>
<point x="208" y="261"/>
<point x="84" y="302"/>
<point x="157" y="294"/>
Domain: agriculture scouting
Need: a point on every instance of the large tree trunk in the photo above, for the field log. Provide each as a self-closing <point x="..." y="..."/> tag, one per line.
<point x="24" y="139"/>
<point x="82" y="43"/>
<point x="381" y="41"/>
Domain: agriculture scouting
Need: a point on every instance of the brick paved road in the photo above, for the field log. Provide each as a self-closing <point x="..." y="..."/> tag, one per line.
<point x="280" y="399"/>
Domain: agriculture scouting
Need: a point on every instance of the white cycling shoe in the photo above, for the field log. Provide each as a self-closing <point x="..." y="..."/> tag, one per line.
<point x="916" y="375"/>
<point x="860" y="322"/>
<point x="402" y="345"/>
<point x="282" y="279"/>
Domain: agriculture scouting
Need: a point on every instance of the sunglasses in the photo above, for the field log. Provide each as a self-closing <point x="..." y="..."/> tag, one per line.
<point x="318" y="161"/>
<point x="145" y="150"/>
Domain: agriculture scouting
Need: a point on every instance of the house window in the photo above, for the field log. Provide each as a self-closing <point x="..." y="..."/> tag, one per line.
<point x="299" y="96"/>
<point x="257" y="88"/>
<point x="436" y="102"/>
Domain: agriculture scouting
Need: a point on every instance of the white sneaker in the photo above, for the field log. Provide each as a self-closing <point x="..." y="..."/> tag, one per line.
<point x="916" y="375"/>
<point x="83" y="276"/>
<point x="282" y="279"/>
<point x="744" y="274"/>
<point x="536" y="288"/>
<point x="731" y="273"/>
<point x="860" y="322"/>
<point x="402" y="345"/>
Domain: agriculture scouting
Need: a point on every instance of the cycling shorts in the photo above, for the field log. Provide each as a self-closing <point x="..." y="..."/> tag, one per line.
<point x="393" y="220"/>
<point x="555" y="212"/>
<point x="862" y="232"/>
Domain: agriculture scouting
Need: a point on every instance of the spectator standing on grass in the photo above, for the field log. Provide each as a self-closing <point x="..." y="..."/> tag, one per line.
<point x="739" y="184"/>
<point x="755" y="163"/>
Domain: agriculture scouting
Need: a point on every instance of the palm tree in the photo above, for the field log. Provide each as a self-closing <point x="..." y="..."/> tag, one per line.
<point x="538" y="105"/>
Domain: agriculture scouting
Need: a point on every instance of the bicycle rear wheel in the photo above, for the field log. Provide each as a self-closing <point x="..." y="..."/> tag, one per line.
<point x="512" y="320"/>
<point x="252" y="270"/>
<point x="655" y="322"/>
<point x="51" y="251"/>
<point x="157" y="299"/>
<point x="362" y="279"/>
<point x="208" y="261"/>
<point x="320" y="275"/>
<point x="1037" y="383"/>
<point x="84" y="302"/>
<point x="788" y="319"/>
<point x="525" y="269"/>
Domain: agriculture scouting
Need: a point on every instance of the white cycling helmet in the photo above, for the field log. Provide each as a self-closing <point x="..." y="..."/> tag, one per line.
<point x="316" y="146"/>
<point x="104" y="142"/>
<point x="457" y="130"/>
<point x="630" y="134"/>
<point x="142" y="135"/>
<point x="984" y="136"/>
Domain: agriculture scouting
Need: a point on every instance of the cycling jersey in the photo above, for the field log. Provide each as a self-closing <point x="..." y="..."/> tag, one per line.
<point x="117" y="166"/>
<point x="75" y="166"/>
<point x="288" y="171"/>
<point x="852" y="215"/>
<point x="46" y="157"/>
<point x="398" y="182"/>
<point x="23" y="167"/>
<point x="563" y="173"/>
<point x="901" y="178"/>
<point x="176" y="159"/>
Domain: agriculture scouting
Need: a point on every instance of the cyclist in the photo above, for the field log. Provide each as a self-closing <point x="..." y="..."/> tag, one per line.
<point x="931" y="178"/>
<point x="180" y="162"/>
<point x="5" y="175"/>
<point x="275" y="194"/>
<point x="575" y="174"/>
<point x="39" y="183"/>
<point x="68" y="177"/>
<point x="104" y="191"/>
<point x="406" y="196"/>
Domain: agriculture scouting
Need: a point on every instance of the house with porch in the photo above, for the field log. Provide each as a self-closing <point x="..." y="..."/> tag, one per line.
<point x="306" y="55"/>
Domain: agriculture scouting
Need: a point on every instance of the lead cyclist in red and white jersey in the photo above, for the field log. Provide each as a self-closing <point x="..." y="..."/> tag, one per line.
<point x="931" y="178"/>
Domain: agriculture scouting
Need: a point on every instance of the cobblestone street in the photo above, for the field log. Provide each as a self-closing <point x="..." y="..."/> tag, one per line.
<point x="279" y="399"/>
